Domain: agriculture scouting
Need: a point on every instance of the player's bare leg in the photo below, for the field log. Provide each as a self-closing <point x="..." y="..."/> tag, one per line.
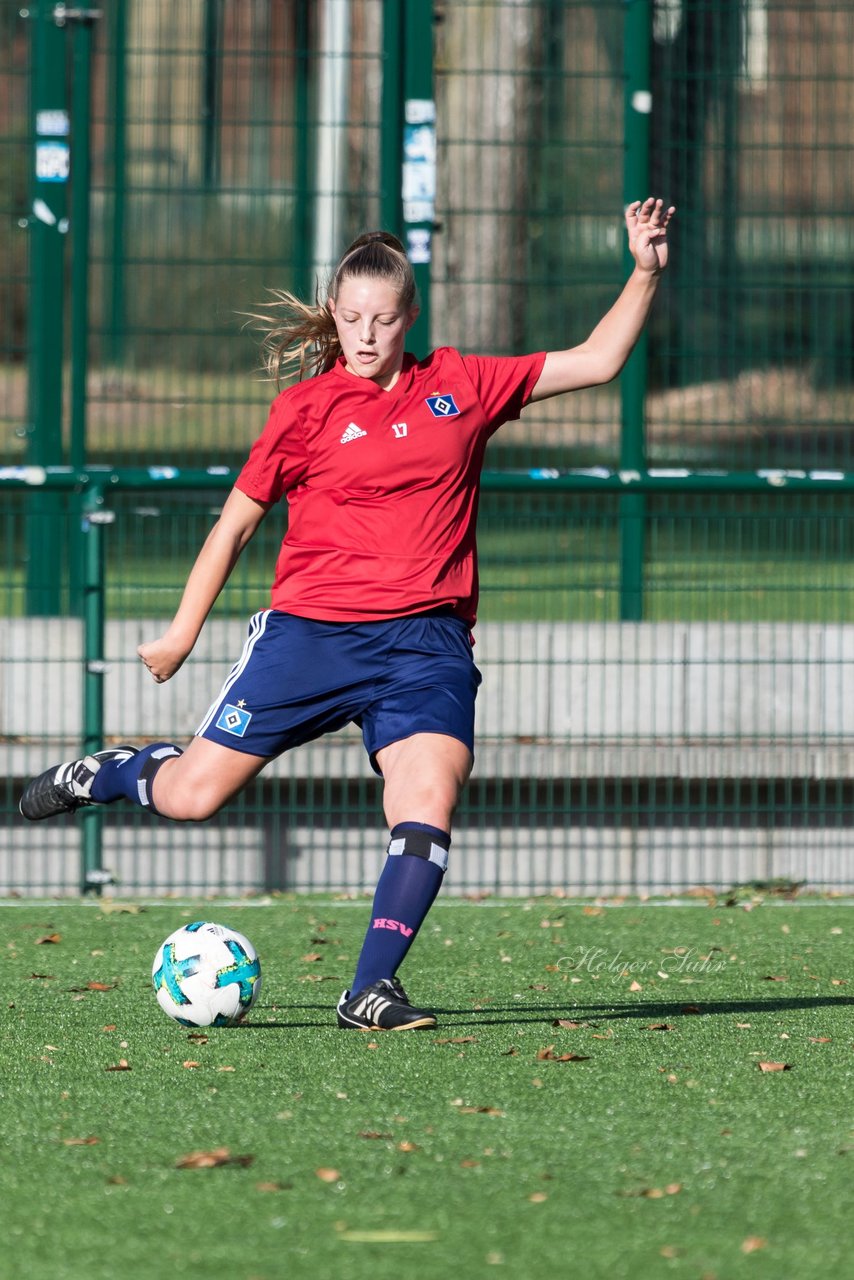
<point x="196" y="784"/>
<point x="424" y="776"/>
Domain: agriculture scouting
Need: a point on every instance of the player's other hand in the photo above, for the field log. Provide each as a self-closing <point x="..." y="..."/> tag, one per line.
<point x="162" y="657"/>
<point x="647" y="222"/>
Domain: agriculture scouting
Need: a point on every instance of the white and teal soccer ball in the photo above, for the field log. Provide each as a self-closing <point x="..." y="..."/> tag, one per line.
<point x="206" y="975"/>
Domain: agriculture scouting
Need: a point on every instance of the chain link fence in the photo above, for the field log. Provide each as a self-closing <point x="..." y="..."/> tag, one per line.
<point x="689" y="725"/>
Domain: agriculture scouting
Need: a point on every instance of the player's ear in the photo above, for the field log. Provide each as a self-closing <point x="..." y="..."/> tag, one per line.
<point x="411" y="317"/>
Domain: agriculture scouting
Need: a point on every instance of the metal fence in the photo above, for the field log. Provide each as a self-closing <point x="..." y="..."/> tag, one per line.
<point x="712" y="743"/>
<point x="668" y="673"/>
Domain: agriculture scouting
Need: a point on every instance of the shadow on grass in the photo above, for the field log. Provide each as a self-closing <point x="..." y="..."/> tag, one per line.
<point x="612" y="1010"/>
<point x="595" y="1013"/>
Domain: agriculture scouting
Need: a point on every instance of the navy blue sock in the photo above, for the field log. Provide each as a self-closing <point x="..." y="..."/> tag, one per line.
<point x="407" y="887"/>
<point x="131" y="779"/>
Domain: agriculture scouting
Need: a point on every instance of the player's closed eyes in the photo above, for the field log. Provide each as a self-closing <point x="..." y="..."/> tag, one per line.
<point x="355" y="320"/>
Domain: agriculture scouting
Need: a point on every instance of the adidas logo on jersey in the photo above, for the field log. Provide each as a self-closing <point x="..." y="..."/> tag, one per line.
<point x="352" y="433"/>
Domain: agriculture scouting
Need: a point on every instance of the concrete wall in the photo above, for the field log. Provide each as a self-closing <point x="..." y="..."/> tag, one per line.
<point x="658" y="699"/>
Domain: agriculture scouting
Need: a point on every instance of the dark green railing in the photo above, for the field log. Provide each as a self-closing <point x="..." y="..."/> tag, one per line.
<point x="91" y="493"/>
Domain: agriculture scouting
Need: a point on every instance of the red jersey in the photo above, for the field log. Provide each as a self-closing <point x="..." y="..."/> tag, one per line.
<point x="382" y="486"/>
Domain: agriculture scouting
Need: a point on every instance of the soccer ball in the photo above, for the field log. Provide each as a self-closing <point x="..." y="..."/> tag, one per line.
<point x="206" y="975"/>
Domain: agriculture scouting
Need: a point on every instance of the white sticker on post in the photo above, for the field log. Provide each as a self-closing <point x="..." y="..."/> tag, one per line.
<point x="52" y="124"/>
<point x="53" y="161"/>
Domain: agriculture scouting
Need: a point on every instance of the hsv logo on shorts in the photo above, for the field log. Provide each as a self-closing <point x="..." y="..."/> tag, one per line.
<point x="442" y="406"/>
<point x="234" y="720"/>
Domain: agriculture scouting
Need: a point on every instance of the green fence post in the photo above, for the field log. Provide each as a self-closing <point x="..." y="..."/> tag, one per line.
<point x="408" y="144"/>
<point x="637" y="37"/>
<point x="118" y="102"/>
<point x="48" y="226"/>
<point x="81" y="104"/>
<point x="419" y="159"/>
<point x="81" y="95"/>
<point x="391" y="205"/>
<point x="301" y="266"/>
<point x="94" y="517"/>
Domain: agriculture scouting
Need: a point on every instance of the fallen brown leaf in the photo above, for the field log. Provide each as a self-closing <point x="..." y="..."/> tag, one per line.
<point x="457" y="1040"/>
<point x="121" y="1065"/>
<point x="189" y="1064"/>
<point x="80" y="1142"/>
<point x="774" y="1066"/>
<point x="328" y="1175"/>
<point x="101" y="986"/>
<point x="691" y="1008"/>
<point x="548" y="1055"/>
<point x="653" y="1193"/>
<point x="775" y="977"/>
<point x="387" y="1236"/>
<point x="820" y="1039"/>
<point x="311" y="956"/>
<point x="635" y="986"/>
<point x="752" y="1243"/>
<point x="48" y="937"/>
<point x="211" y="1159"/>
<point x="659" y="1026"/>
<point x="375" y="1133"/>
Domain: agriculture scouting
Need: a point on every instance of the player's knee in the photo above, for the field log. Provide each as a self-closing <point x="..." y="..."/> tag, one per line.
<point x="187" y="799"/>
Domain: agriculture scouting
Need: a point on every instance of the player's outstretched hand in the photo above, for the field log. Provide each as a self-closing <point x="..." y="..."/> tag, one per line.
<point x="647" y="222"/>
<point x="162" y="657"/>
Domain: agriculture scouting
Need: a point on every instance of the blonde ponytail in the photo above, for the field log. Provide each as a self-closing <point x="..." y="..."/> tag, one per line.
<point x="297" y="337"/>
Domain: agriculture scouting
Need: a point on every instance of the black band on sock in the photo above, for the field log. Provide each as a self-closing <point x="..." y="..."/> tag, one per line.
<point x="147" y="773"/>
<point x="422" y="841"/>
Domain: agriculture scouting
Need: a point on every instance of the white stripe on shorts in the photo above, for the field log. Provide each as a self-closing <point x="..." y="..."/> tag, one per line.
<point x="257" y="627"/>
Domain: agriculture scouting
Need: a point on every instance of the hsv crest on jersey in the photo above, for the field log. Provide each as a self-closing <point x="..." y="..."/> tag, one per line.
<point x="353" y="432"/>
<point x="234" y="720"/>
<point x="442" y="406"/>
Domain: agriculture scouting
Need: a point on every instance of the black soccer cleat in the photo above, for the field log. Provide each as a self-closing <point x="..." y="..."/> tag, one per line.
<point x="383" y="1007"/>
<point x="66" y="787"/>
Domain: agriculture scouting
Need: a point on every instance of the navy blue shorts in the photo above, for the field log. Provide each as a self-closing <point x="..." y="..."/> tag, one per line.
<point x="297" y="679"/>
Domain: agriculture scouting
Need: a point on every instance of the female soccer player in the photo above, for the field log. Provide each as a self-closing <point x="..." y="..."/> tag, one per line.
<point x="375" y="590"/>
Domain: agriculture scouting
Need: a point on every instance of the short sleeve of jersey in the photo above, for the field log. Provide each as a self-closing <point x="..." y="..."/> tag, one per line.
<point x="504" y="384"/>
<point x="278" y="459"/>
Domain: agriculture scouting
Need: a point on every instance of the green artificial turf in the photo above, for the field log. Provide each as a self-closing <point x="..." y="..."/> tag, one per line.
<point x="641" y="1140"/>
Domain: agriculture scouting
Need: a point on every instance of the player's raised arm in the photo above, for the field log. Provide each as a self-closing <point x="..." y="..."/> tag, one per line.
<point x="603" y="355"/>
<point x="239" y="518"/>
